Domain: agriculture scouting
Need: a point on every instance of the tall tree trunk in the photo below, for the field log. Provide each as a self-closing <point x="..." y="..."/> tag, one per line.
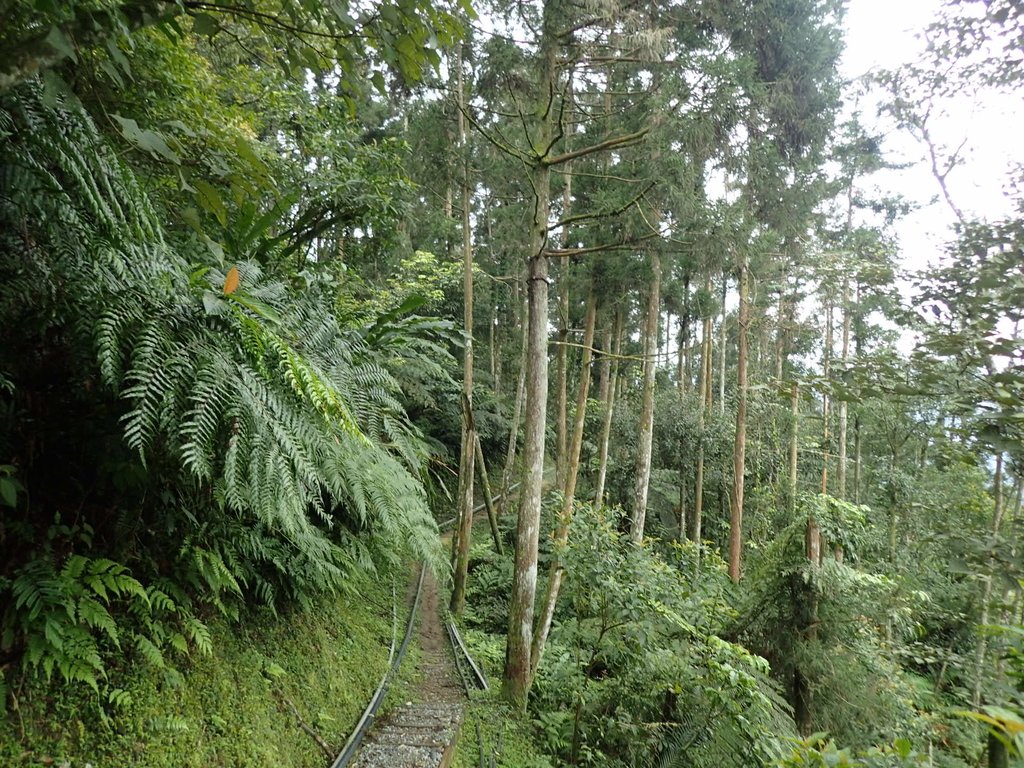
<point x="858" y="341"/>
<point x="562" y="358"/>
<point x="843" y="418"/>
<point x="721" y="348"/>
<point x="643" y="467"/>
<point x="794" y="443"/>
<point x="780" y="335"/>
<point x="468" y="447"/>
<point x="524" y="581"/>
<point x="740" y="446"/>
<point x="568" y="490"/>
<point x="605" y="368"/>
<point x="609" y="410"/>
<point x="683" y="373"/>
<point x="802" y="705"/>
<point x="707" y="357"/>
<point x="986" y="592"/>
<point x="496" y="360"/>
<point x="856" y="458"/>
<point x="826" y="367"/>
<point x="517" y="410"/>
<point x="492" y="333"/>
<point x="704" y="392"/>
<point x="562" y="375"/>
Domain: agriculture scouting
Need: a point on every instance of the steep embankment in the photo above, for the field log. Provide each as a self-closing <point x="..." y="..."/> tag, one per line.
<point x="239" y="706"/>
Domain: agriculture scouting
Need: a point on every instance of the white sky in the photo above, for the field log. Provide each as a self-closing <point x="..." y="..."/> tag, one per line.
<point x="883" y="34"/>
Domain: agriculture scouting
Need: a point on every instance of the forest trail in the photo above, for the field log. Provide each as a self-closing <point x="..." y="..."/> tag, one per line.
<point x="421" y="733"/>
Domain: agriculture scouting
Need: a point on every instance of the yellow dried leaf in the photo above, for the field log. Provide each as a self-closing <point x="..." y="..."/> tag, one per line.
<point x="231" y="281"/>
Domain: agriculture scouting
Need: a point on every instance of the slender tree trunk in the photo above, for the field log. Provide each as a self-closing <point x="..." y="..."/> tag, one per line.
<point x="609" y="409"/>
<point x="843" y="418"/>
<point x="491" y="331"/>
<point x="663" y="336"/>
<point x="688" y="360"/>
<point x="825" y="400"/>
<point x="562" y="375"/>
<point x="605" y="369"/>
<point x="643" y="471"/>
<point x="496" y="360"/>
<point x="524" y="584"/>
<point x="856" y="458"/>
<point x="986" y="593"/>
<point x="707" y="357"/>
<point x="704" y="388"/>
<point x="721" y="348"/>
<point x="683" y="374"/>
<point x="802" y="704"/>
<point x="485" y="481"/>
<point x="524" y="581"/>
<point x="568" y="490"/>
<point x="682" y="504"/>
<point x="1011" y="597"/>
<point x="458" y="600"/>
<point x="794" y="443"/>
<point x="517" y="410"/>
<point x="740" y="447"/>
<point x="449" y="207"/>
<point x="562" y="355"/>
<point x="780" y="335"/>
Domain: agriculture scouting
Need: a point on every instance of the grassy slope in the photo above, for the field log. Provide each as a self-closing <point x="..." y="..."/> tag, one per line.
<point x="229" y="709"/>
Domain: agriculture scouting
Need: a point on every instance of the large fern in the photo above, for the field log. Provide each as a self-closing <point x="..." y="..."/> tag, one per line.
<point x="273" y="455"/>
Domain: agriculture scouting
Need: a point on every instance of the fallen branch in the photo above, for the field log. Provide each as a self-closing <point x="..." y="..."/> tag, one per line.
<point x="309" y="729"/>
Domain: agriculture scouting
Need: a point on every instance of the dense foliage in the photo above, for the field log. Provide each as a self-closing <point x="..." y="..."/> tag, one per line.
<point x="769" y="485"/>
<point x="194" y="415"/>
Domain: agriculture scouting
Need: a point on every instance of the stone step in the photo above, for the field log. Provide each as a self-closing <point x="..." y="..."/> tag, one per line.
<point x="415" y="736"/>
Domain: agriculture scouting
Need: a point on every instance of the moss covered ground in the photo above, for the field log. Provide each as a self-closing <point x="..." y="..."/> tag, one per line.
<point x="229" y="708"/>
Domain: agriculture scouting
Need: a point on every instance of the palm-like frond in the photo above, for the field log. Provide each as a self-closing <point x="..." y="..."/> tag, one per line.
<point x="272" y="435"/>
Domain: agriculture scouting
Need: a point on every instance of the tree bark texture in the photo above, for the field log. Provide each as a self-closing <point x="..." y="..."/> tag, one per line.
<point x="562" y="375"/>
<point x="517" y="409"/>
<point x="485" y="481"/>
<point x="986" y="590"/>
<point x="568" y="491"/>
<point x="843" y="405"/>
<point x="794" y="442"/>
<point x="524" y="580"/>
<point x="826" y="404"/>
<point x="721" y="349"/>
<point x="740" y="445"/>
<point x="609" y="411"/>
<point x="465" y="516"/>
<point x="643" y="468"/>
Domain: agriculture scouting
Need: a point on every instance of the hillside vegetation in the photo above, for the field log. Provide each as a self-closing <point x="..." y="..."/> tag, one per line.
<point x="284" y="284"/>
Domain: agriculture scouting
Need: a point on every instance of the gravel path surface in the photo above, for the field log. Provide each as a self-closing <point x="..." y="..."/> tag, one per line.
<point x="421" y="733"/>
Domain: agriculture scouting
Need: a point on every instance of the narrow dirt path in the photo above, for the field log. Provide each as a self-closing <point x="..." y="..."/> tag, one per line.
<point x="421" y="732"/>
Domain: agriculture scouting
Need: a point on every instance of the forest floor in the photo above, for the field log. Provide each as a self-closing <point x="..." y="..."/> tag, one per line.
<point x="421" y="733"/>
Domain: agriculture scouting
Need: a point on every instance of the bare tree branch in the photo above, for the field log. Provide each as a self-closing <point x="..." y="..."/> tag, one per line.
<point x="624" y="244"/>
<point x="602" y="214"/>
<point x="614" y="143"/>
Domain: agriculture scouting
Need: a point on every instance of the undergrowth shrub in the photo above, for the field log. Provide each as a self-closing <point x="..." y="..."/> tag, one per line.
<point x="221" y="436"/>
<point x="635" y="670"/>
<point x="825" y="627"/>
